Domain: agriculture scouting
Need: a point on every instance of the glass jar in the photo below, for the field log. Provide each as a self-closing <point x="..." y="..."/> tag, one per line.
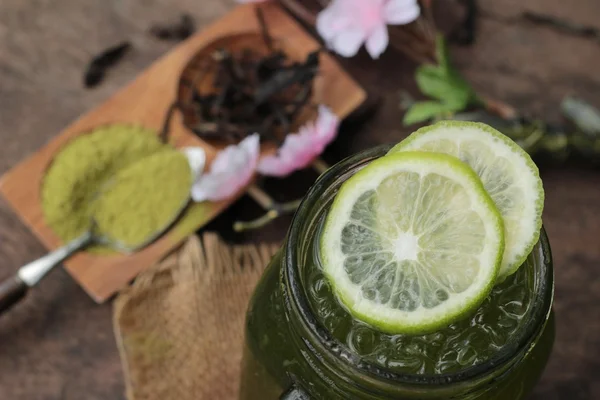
<point x="290" y="355"/>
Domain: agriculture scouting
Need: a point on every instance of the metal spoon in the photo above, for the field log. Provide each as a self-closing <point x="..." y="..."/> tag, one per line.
<point x="13" y="289"/>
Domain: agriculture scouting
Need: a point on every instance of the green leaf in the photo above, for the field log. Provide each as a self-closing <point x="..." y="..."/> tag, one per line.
<point x="450" y="89"/>
<point x="443" y="82"/>
<point x="424" y="111"/>
<point x="462" y="92"/>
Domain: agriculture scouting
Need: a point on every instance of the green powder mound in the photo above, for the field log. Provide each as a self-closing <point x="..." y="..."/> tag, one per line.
<point x="83" y="167"/>
<point x="144" y="199"/>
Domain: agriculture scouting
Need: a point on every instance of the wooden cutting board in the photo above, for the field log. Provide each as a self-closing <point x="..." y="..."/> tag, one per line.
<point x="145" y="102"/>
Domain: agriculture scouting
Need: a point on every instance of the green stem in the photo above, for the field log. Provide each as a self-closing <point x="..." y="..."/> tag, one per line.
<point x="288" y="207"/>
<point x="240" y="226"/>
<point x="276" y="210"/>
<point x="320" y="166"/>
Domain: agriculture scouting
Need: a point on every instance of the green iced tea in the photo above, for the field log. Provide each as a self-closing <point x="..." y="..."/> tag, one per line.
<point x="469" y="342"/>
<point x="301" y="339"/>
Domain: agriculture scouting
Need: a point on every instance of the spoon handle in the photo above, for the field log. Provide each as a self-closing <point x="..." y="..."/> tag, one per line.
<point x="15" y="288"/>
<point x="12" y="290"/>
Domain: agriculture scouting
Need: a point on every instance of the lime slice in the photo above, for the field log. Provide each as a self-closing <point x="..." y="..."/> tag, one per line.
<point x="507" y="172"/>
<point x="412" y="242"/>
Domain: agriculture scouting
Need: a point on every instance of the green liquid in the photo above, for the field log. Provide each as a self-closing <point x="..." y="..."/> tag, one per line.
<point x="271" y="358"/>
<point x="274" y="359"/>
<point x="466" y="343"/>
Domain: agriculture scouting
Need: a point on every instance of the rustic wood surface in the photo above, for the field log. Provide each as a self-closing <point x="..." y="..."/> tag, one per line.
<point x="145" y="102"/>
<point x="58" y="344"/>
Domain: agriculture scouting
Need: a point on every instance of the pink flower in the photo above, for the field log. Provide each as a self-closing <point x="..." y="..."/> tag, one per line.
<point x="300" y="149"/>
<point x="231" y="170"/>
<point x="346" y="24"/>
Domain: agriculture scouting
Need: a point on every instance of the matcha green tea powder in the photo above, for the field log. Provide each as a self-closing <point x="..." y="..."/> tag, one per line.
<point x="91" y="161"/>
<point x="144" y="198"/>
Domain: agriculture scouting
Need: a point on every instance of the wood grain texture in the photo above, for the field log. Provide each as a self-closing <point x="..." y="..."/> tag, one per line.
<point x="58" y="344"/>
<point x="145" y="102"/>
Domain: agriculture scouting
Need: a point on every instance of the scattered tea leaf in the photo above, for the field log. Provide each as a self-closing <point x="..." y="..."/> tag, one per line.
<point x="178" y="31"/>
<point x="96" y="69"/>
<point x="563" y="25"/>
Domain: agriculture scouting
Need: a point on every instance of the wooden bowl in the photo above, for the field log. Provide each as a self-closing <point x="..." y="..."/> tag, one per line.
<point x="199" y="73"/>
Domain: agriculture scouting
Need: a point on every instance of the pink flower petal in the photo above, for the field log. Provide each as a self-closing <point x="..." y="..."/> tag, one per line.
<point x="367" y="14"/>
<point x="347" y="42"/>
<point x="296" y="153"/>
<point x="327" y="126"/>
<point x="378" y="41"/>
<point x="330" y="22"/>
<point x="231" y="170"/>
<point x="300" y="149"/>
<point x="346" y="25"/>
<point x="400" y="12"/>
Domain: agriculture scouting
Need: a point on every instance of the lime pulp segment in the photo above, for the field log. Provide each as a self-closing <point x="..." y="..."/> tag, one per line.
<point x="412" y="242"/>
<point x="506" y="171"/>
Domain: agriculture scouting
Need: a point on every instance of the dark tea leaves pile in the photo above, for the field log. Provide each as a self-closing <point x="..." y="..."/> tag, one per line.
<point x="238" y="93"/>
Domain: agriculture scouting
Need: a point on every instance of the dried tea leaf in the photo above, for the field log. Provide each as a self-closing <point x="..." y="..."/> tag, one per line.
<point x="181" y="30"/>
<point x="94" y="73"/>
<point x="570" y="27"/>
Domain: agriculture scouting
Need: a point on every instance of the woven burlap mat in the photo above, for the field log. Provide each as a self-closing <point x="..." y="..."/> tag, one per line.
<point x="179" y="327"/>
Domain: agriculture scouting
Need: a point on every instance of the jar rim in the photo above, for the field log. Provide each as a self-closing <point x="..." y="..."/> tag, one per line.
<point x="325" y="187"/>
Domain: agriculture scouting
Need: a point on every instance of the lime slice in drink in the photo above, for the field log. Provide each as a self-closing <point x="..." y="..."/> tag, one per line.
<point x="507" y="172"/>
<point x="412" y="242"/>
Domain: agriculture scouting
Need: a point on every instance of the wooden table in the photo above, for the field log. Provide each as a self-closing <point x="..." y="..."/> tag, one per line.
<point x="58" y="344"/>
